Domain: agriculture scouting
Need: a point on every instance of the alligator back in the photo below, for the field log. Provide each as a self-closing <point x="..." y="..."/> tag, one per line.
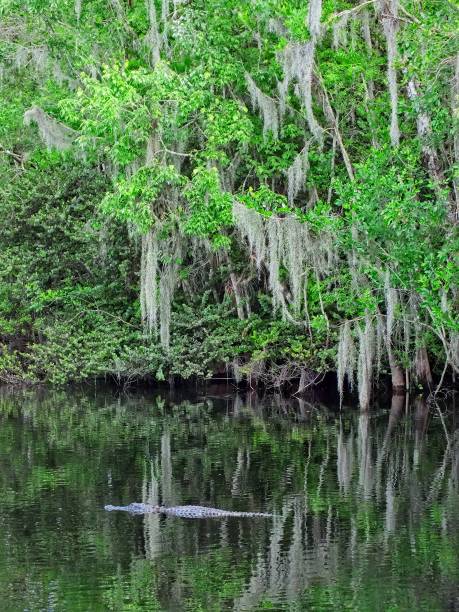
<point x="204" y="512"/>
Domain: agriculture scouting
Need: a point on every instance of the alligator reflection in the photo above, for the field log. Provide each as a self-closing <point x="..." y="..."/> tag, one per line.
<point x="365" y="505"/>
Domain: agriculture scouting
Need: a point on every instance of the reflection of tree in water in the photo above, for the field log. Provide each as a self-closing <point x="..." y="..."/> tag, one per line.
<point x="322" y="520"/>
<point x="365" y="504"/>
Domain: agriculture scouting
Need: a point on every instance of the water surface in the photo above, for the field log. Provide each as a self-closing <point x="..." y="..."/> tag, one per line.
<point x="366" y="505"/>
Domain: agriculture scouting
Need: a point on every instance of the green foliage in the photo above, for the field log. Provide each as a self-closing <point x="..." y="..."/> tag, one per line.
<point x="168" y="134"/>
<point x="265" y="201"/>
<point x="115" y="113"/>
<point x="226" y="124"/>
<point x="11" y="368"/>
<point x="207" y="338"/>
<point x="78" y="349"/>
<point x="210" y="207"/>
<point x="134" y="198"/>
<point x="397" y="217"/>
<point x="64" y="272"/>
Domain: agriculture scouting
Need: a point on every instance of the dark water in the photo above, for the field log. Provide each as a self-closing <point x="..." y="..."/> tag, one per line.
<point x="366" y="506"/>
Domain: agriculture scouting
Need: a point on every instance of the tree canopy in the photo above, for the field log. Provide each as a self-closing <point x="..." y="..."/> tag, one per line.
<point x="291" y="164"/>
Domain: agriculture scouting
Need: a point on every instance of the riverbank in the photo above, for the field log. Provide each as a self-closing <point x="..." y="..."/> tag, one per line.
<point x="70" y="309"/>
<point x="208" y="346"/>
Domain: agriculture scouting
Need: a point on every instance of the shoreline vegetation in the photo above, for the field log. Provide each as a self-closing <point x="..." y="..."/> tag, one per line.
<point x="263" y="191"/>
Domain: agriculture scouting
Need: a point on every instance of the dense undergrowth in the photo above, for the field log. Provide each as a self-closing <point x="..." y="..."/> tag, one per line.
<point x="70" y="308"/>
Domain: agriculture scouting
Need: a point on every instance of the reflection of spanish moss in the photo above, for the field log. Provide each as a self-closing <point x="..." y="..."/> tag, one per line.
<point x="150" y="495"/>
<point x="345" y="459"/>
<point x="236" y="481"/>
<point x="167" y="489"/>
<point x="333" y="521"/>
<point x="390" y="517"/>
<point x="364" y="452"/>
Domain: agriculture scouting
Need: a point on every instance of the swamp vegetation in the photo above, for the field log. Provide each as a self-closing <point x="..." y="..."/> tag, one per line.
<point x="260" y="189"/>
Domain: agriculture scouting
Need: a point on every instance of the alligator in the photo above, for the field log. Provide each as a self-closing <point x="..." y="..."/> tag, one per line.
<point x="193" y="512"/>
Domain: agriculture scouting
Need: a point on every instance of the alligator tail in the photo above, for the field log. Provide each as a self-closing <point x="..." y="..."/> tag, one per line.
<point x="251" y="514"/>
